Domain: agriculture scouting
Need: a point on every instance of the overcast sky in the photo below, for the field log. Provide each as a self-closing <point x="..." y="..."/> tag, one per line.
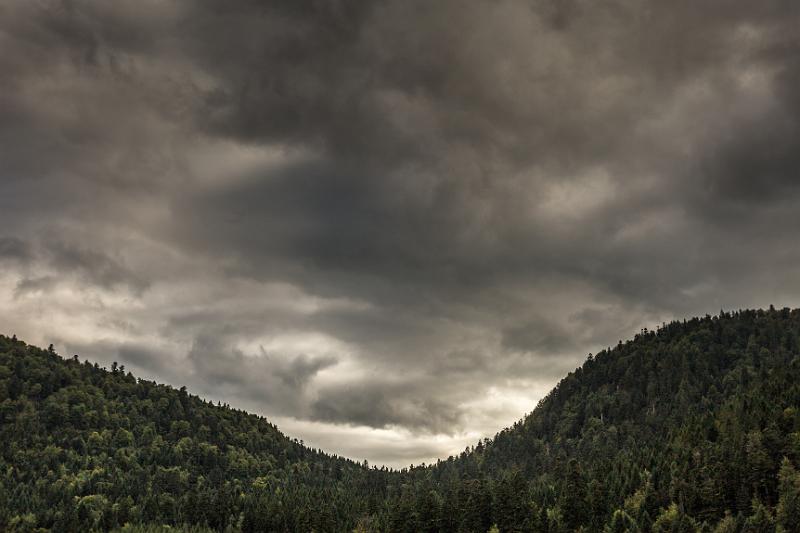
<point x="390" y="226"/>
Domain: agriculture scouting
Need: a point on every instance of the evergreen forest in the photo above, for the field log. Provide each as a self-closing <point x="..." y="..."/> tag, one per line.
<point x="692" y="427"/>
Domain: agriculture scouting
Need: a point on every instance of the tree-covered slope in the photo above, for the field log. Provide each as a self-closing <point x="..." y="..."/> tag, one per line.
<point x="694" y="427"/>
<point x="87" y="448"/>
<point x="691" y="427"/>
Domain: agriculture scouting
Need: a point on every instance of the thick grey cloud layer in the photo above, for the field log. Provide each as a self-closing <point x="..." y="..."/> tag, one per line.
<point x="390" y="226"/>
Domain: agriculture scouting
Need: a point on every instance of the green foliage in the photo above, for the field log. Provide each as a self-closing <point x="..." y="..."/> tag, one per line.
<point x="693" y="427"/>
<point x="788" y="511"/>
<point x="760" y="520"/>
<point x="128" y="528"/>
<point x="621" y="522"/>
<point x="85" y="449"/>
<point x="727" y="525"/>
<point x="674" y="520"/>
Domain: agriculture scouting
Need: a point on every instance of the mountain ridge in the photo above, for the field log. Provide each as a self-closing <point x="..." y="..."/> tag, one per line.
<point x="693" y="426"/>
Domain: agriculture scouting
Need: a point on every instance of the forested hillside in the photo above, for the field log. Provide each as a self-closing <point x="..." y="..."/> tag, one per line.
<point x="88" y="448"/>
<point x="693" y="427"/>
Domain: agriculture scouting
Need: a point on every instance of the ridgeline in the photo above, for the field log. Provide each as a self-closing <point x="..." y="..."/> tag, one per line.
<point x="693" y="427"/>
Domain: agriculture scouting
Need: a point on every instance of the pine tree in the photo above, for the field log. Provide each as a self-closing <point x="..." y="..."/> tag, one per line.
<point x="674" y="520"/>
<point x="621" y="522"/>
<point x="787" y="514"/>
<point x="760" y="519"/>
<point x="574" y="502"/>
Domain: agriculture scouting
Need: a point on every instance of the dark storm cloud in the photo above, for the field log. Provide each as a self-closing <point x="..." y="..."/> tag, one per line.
<point x="142" y="357"/>
<point x="376" y="213"/>
<point x="259" y="375"/>
<point x="68" y="260"/>
<point x="534" y="338"/>
<point x="96" y="267"/>
<point x="13" y="249"/>
<point x="379" y="405"/>
<point x="215" y="367"/>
